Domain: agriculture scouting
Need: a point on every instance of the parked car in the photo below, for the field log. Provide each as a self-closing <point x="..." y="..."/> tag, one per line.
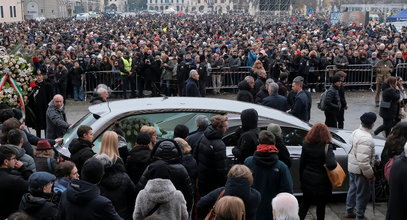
<point x="165" y="113"/>
<point x="82" y="16"/>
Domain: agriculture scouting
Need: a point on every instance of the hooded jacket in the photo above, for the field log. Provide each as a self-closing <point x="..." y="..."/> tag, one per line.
<point x="27" y="160"/>
<point x="169" y="155"/>
<point x="211" y="159"/>
<point x="361" y="154"/>
<point x="248" y="140"/>
<point x="38" y="207"/>
<point x="268" y="171"/>
<point x="245" y="92"/>
<point x="238" y="187"/>
<point x="80" y="150"/>
<point x="56" y="121"/>
<point x="163" y="192"/>
<point x="117" y="186"/>
<point x="82" y="200"/>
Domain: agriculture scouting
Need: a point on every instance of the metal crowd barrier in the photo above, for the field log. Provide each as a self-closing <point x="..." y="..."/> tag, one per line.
<point x="110" y="78"/>
<point x="229" y="77"/>
<point x="357" y="75"/>
<point x="401" y="70"/>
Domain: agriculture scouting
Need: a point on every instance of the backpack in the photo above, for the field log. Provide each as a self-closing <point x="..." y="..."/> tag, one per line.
<point x="387" y="168"/>
<point x="322" y="104"/>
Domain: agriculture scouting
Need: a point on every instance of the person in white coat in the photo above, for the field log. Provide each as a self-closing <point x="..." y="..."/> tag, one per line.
<point x="360" y="167"/>
<point x="160" y="198"/>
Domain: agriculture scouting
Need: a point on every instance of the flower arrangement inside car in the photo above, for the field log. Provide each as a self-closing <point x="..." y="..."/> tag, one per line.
<point x="15" y="76"/>
<point x="131" y="127"/>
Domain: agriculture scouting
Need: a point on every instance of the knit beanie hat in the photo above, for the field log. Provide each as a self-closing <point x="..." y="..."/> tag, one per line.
<point x="92" y="171"/>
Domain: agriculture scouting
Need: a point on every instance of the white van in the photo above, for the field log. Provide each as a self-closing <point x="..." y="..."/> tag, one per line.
<point x="82" y="16"/>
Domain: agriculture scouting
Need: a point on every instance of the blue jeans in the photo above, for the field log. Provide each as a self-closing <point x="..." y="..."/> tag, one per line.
<point x="358" y="195"/>
<point x="77" y="93"/>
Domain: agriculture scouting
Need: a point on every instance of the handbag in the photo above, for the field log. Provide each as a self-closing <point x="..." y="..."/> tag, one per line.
<point x="211" y="215"/>
<point x="384" y="104"/>
<point x="337" y="176"/>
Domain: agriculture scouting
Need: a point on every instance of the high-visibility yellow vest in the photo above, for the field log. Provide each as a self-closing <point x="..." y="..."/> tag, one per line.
<point x="127" y="65"/>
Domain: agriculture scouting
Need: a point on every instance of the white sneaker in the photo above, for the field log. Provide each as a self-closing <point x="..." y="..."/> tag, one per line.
<point x="313" y="90"/>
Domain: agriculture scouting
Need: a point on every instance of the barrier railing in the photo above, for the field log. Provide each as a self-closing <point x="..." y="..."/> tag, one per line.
<point x="110" y="78"/>
<point x="229" y="77"/>
<point x="401" y="70"/>
<point x="357" y="75"/>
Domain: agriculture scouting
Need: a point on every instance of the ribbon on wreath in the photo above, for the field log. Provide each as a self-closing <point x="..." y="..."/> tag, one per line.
<point x="13" y="83"/>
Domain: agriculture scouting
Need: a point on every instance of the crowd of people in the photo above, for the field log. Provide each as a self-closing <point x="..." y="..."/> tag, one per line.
<point x="186" y="177"/>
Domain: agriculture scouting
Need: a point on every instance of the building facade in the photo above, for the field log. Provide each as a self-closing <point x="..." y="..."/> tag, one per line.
<point x="11" y="11"/>
<point x="114" y="5"/>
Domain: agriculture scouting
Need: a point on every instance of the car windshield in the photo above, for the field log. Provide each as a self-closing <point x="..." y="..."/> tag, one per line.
<point x="88" y="119"/>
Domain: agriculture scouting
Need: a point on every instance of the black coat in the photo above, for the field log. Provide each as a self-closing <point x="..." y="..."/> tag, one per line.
<point x="37" y="105"/>
<point x="245" y="92"/>
<point x="117" y="186"/>
<point x="283" y="153"/>
<point x="81" y="150"/>
<point x="76" y="76"/>
<point x="189" y="162"/>
<point x="398" y="190"/>
<point x="191" y="88"/>
<point x="238" y="187"/>
<point x="392" y="96"/>
<point x="313" y="177"/>
<point x="263" y="93"/>
<point x="82" y="200"/>
<point x="332" y="99"/>
<point x="259" y="84"/>
<point x="12" y="188"/>
<point x="276" y="101"/>
<point x="300" y="108"/>
<point x="137" y="161"/>
<point x="211" y="159"/>
<point x="45" y="164"/>
<point x="179" y="175"/>
<point x="248" y="140"/>
<point x="39" y="208"/>
<point x="194" y="138"/>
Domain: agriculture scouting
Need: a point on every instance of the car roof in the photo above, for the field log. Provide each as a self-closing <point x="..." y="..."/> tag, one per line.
<point x="192" y="104"/>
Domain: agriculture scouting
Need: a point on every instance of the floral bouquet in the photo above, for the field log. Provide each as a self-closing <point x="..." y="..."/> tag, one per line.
<point x="15" y="76"/>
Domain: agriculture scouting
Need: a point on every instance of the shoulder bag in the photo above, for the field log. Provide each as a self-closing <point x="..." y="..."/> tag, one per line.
<point x="337" y="176"/>
<point x="212" y="215"/>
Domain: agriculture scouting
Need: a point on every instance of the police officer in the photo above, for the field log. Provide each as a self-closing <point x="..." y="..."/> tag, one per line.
<point x="383" y="70"/>
<point x="126" y="73"/>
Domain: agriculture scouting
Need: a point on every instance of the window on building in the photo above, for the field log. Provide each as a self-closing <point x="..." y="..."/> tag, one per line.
<point x="199" y="1"/>
<point x="177" y="3"/>
<point x="11" y="11"/>
<point x="1" y="12"/>
<point x="14" y="10"/>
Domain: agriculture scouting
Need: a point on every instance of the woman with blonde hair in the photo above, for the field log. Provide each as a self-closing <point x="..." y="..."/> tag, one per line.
<point x="257" y="68"/>
<point x="239" y="182"/>
<point x="116" y="185"/>
<point x="230" y="208"/>
<point x="110" y="146"/>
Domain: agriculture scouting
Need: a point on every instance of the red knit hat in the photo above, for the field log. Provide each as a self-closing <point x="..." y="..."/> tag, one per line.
<point x="43" y="145"/>
<point x="267" y="148"/>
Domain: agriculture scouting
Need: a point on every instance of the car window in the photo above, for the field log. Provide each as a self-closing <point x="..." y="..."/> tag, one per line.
<point x="164" y="124"/>
<point x="293" y="136"/>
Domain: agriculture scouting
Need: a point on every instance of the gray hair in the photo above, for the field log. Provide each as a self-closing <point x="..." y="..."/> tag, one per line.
<point x="269" y="80"/>
<point x="285" y="207"/>
<point x="273" y="87"/>
<point x="249" y="78"/>
<point x="201" y="121"/>
<point x="101" y="90"/>
<point x="193" y="73"/>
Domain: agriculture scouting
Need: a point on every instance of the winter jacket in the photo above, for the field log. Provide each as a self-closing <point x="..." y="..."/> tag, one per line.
<point x="398" y="189"/>
<point x="123" y="151"/>
<point x="171" y="157"/>
<point x="46" y="164"/>
<point x="248" y="140"/>
<point x="276" y="101"/>
<point x="80" y="150"/>
<point x="82" y="200"/>
<point x="117" y="186"/>
<point x="189" y="162"/>
<point x="191" y="88"/>
<point x="61" y="184"/>
<point x="259" y="84"/>
<point x="261" y="95"/>
<point x="163" y="192"/>
<point x="283" y="153"/>
<point x="313" y="177"/>
<point x="361" y="155"/>
<point x="392" y="96"/>
<point x="211" y="159"/>
<point x="12" y="188"/>
<point x="238" y="187"/>
<point x="300" y="106"/>
<point x="332" y="99"/>
<point x="194" y="138"/>
<point x="338" y="60"/>
<point x="27" y="160"/>
<point x="137" y="161"/>
<point x="245" y="92"/>
<point x="39" y="208"/>
<point x="268" y="171"/>
<point x="56" y="122"/>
